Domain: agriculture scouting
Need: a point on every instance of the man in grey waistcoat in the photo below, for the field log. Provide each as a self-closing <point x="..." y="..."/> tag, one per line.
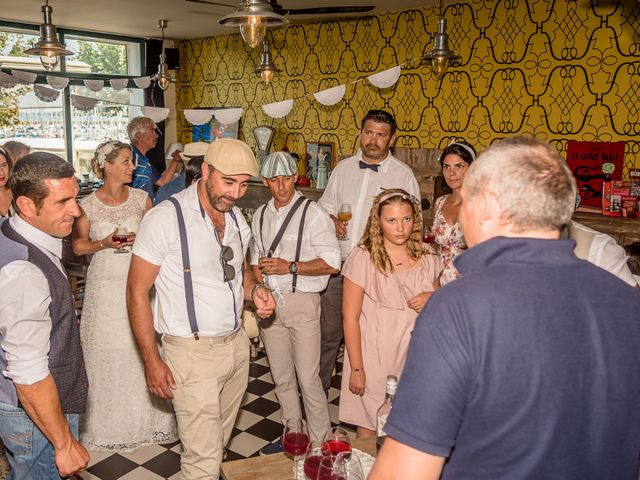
<point x="43" y="385"/>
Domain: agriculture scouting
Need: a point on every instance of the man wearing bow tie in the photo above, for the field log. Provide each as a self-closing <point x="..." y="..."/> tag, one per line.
<point x="356" y="181"/>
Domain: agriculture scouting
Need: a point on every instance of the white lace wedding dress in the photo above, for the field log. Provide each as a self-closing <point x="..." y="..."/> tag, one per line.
<point x="121" y="414"/>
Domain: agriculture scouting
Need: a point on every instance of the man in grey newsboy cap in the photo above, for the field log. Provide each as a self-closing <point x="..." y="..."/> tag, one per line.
<point x="296" y="250"/>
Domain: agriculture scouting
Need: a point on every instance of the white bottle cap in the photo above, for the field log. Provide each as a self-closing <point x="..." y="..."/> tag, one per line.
<point x="392" y="384"/>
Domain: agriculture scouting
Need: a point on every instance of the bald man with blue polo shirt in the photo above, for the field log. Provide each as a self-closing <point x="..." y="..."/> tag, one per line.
<point x="304" y="251"/>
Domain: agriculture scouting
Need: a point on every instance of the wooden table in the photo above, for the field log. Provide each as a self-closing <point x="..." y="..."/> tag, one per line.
<point x="277" y="466"/>
<point x="623" y="230"/>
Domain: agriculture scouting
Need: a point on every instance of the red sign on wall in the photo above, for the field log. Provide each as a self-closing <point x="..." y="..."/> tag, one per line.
<point x="591" y="163"/>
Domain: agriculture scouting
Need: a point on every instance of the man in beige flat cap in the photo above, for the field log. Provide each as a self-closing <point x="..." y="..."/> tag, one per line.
<point x="192" y="248"/>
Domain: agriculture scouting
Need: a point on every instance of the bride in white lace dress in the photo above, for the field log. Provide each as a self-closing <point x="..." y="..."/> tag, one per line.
<point x="121" y="414"/>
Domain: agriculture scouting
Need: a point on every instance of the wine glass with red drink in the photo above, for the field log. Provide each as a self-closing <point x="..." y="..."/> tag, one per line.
<point x="121" y="235"/>
<point x="428" y="235"/>
<point x="295" y="439"/>
<point x="336" y="441"/>
<point x="344" y="466"/>
<point x="312" y="460"/>
<point x="330" y="468"/>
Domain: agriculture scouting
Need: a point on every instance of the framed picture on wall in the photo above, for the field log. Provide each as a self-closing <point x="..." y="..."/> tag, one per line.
<point x="316" y="154"/>
<point x="210" y="132"/>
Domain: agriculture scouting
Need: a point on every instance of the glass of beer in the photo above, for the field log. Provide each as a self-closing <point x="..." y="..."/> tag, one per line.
<point x="121" y="235"/>
<point x="344" y="215"/>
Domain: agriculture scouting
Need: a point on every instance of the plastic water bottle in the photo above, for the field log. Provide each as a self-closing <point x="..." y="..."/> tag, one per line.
<point x="385" y="410"/>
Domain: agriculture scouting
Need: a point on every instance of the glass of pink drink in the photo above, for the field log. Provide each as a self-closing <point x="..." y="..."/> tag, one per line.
<point x="312" y="460"/>
<point x="295" y="439"/>
<point x="336" y="441"/>
<point x="121" y="235"/>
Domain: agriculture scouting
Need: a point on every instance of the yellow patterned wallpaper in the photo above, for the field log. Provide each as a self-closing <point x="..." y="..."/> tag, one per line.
<point x="559" y="70"/>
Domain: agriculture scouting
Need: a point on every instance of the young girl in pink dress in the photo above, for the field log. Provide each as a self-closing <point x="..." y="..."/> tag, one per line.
<point x="388" y="278"/>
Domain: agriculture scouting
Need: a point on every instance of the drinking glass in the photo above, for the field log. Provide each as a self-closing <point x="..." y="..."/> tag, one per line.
<point x="312" y="460"/>
<point x="121" y="235"/>
<point x="336" y="441"/>
<point x="428" y="235"/>
<point x="295" y="439"/>
<point x="344" y="215"/>
<point x="352" y="466"/>
<point x="262" y="254"/>
<point x="330" y="468"/>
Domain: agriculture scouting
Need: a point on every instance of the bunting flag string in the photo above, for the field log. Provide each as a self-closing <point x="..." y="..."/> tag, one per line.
<point x="59" y="83"/>
<point x="227" y="116"/>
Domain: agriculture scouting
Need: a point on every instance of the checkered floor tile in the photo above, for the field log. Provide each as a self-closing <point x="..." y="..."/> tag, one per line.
<point x="257" y="425"/>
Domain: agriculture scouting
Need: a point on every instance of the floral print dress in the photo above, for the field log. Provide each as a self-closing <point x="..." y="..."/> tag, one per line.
<point x="450" y="240"/>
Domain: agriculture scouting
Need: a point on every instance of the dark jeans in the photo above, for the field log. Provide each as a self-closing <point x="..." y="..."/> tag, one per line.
<point x="331" y="333"/>
<point x="29" y="452"/>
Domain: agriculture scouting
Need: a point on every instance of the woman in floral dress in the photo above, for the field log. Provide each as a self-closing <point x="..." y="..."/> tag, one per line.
<point x="455" y="160"/>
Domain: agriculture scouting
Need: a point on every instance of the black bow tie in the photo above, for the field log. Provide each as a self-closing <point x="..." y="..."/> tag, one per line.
<point x="364" y="165"/>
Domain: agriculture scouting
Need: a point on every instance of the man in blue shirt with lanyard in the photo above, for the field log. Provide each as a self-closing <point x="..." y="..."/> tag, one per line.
<point x="143" y="136"/>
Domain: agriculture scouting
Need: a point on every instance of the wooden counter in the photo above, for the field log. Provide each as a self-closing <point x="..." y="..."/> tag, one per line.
<point x="623" y="230"/>
<point x="277" y="466"/>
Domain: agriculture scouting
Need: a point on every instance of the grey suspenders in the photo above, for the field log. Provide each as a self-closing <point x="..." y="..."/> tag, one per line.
<point x="282" y="229"/>
<point x="186" y="267"/>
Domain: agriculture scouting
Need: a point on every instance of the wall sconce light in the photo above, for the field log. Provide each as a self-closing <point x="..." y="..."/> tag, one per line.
<point x="48" y="47"/>
<point x="440" y="55"/>
<point x="162" y="78"/>
<point x="253" y="17"/>
<point x="267" y="68"/>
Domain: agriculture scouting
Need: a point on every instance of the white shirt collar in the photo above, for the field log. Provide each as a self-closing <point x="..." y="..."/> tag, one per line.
<point x="43" y="240"/>
<point x="382" y="165"/>
<point x="286" y="208"/>
<point x="191" y="196"/>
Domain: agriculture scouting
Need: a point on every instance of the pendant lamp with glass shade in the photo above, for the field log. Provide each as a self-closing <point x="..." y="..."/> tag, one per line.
<point x="267" y="68"/>
<point x="440" y="56"/>
<point x="253" y="17"/>
<point x="48" y="47"/>
<point x="162" y="78"/>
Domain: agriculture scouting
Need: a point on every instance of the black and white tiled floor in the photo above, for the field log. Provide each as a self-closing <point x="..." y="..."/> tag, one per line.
<point x="257" y="425"/>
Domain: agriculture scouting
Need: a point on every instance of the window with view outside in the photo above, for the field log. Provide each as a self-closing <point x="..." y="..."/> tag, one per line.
<point x="23" y="116"/>
<point x="41" y="124"/>
<point x="107" y="121"/>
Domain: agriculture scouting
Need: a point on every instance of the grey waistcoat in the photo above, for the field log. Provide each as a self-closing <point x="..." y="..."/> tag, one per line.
<point x="66" y="362"/>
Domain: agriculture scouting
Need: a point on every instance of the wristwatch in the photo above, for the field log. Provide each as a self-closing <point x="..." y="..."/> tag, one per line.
<point x="293" y="267"/>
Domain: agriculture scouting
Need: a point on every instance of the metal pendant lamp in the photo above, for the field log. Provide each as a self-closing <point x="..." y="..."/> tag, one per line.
<point x="48" y="47"/>
<point x="162" y="78"/>
<point x="253" y="17"/>
<point x="440" y="55"/>
<point x="267" y="68"/>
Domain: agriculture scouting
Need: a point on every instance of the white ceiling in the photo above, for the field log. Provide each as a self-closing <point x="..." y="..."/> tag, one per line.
<point x="139" y="18"/>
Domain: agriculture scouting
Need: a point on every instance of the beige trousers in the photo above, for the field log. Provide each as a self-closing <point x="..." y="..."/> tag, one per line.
<point x="292" y="342"/>
<point x="211" y="376"/>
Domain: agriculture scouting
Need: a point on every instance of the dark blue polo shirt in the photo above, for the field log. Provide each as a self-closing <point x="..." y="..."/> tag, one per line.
<point x="527" y="367"/>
